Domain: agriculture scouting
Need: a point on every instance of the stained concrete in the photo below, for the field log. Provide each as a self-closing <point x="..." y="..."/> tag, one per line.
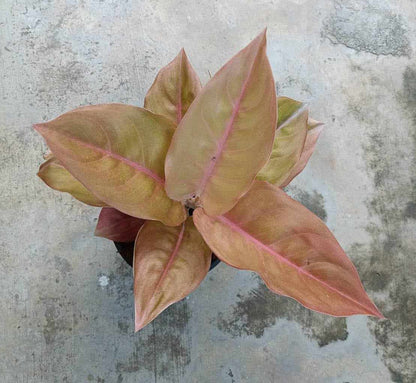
<point x="66" y="296"/>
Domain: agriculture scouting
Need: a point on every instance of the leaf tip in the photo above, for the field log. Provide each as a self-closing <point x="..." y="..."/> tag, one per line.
<point x="263" y="36"/>
<point x="260" y="40"/>
<point x="140" y="322"/>
<point x="370" y="309"/>
<point x="312" y="124"/>
<point x="375" y="312"/>
<point x="181" y="56"/>
<point x="38" y="127"/>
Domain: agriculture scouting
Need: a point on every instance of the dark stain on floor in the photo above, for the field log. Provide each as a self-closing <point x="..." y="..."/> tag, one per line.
<point x="349" y="25"/>
<point x="231" y="375"/>
<point x="171" y="341"/>
<point x="165" y="352"/>
<point x="260" y="308"/>
<point x="92" y="378"/>
<point x="314" y="200"/>
<point x="387" y="265"/>
<point x="410" y="211"/>
<point x="163" y="346"/>
<point x="57" y="324"/>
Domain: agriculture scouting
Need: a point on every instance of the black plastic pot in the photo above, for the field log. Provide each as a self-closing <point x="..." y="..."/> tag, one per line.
<point x="126" y="249"/>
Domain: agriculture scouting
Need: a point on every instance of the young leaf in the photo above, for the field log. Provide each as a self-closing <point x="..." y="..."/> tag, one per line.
<point x="117" y="151"/>
<point x="174" y="89"/>
<point x="227" y="134"/>
<point x="169" y="263"/>
<point x="314" y="130"/>
<point x="117" y="226"/>
<point x="53" y="173"/>
<point x="290" y="248"/>
<point x="287" y="146"/>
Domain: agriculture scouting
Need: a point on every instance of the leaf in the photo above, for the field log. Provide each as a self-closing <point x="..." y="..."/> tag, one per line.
<point x="227" y="134"/>
<point x="286" y="108"/>
<point x="175" y="87"/>
<point x="312" y="124"/>
<point x="288" y="144"/>
<point x="169" y="263"/>
<point x="53" y="173"/>
<point x="117" y="151"/>
<point x="314" y="130"/>
<point x="293" y="145"/>
<point x="290" y="248"/>
<point x="117" y="226"/>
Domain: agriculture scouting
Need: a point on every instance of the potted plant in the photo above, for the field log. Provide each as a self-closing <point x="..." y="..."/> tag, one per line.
<point x="200" y="170"/>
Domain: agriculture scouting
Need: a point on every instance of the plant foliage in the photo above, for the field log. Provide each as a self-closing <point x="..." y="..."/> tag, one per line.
<point x="226" y="150"/>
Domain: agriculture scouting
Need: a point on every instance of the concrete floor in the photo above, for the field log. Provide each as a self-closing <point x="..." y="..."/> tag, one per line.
<point x="66" y="297"/>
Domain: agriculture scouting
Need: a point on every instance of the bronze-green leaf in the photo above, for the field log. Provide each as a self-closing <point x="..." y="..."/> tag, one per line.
<point x="53" y="173"/>
<point x="314" y="130"/>
<point x="286" y="108"/>
<point x="227" y="134"/>
<point x="117" y="151"/>
<point x="174" y="89"/>
<point x="288" y="143"/>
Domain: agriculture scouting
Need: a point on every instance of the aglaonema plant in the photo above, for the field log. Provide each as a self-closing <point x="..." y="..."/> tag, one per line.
<point x="224" y="152"/>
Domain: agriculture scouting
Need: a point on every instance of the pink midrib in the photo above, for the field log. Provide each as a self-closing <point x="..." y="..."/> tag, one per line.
<point x="235" y="227"/>
<point x="116" y="156"/>
<point x="221" y="144"/>
<point x="165" y="271"/>
<point x="171" y="258"/>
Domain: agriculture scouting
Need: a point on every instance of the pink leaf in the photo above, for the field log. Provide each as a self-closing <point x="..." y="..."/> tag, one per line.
<point x="290" y="248"/>
<point x="118" y="153"/>
<point x="227" y="134"/>
<point x="117" y="226"/>
<point x="169" y="263"/>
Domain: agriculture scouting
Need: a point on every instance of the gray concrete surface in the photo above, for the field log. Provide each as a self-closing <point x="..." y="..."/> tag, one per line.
<point x="66" y="297"/>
